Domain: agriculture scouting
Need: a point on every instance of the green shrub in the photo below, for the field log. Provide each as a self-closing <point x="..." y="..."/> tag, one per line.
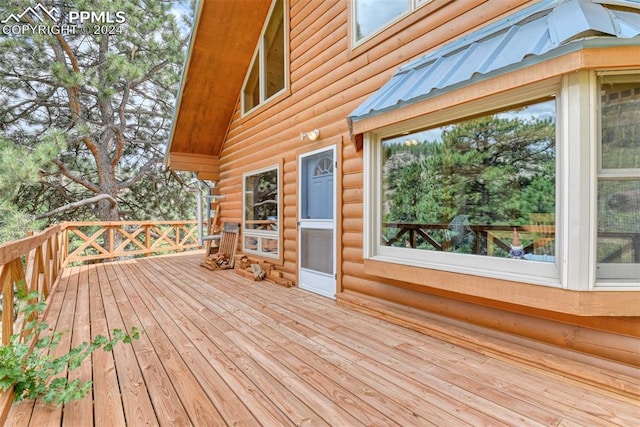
<point x="36" y="373"/>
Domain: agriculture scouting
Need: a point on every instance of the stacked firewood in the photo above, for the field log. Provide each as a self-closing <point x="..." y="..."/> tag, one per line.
<point x="261" y="270"/>
<point x="217" y="261"/>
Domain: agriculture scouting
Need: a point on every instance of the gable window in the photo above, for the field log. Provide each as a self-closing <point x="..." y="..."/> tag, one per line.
<point x="267" y="74"/>
<point x="618" y="201"/>
<point x="371" y="16"/>
<point x="261" y="220"/>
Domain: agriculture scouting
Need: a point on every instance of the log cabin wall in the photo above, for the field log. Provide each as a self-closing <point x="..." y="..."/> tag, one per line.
<point x="328" y="80"/>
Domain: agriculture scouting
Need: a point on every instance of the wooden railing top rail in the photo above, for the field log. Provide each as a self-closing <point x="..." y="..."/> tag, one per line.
<point x="122" y="223"/>
<point x="14" y="249"/>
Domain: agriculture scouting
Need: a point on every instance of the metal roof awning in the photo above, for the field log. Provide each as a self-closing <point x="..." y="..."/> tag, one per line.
<point x="546" y="30"/>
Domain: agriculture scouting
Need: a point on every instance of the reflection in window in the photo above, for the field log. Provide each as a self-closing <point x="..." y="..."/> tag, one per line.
<point x="267" y="73"/>
<point x="372" y="15"/>
<point x="618" y="244"/>
<point x="481" y="186"/>
<point x="261" y="220"/>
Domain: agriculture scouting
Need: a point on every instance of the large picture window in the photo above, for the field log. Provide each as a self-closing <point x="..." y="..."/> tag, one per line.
<point x="484" y="186"/>
<point x="261" y="221"/>
<point x="618" y="203"/>
<point x="545" y="192"/>
<point x="268" y="71"/>
<point x="471" y="193"/>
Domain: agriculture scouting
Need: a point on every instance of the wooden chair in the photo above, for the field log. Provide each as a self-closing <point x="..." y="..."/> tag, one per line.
<point x="225" y="257"/>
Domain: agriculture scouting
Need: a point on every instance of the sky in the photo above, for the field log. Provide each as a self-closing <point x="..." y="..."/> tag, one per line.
<point x="371" y="15"/>
<point x="542" y="110"/>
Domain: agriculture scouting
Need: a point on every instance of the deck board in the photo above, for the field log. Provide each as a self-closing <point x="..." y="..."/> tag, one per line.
<point x="218" y="349"/>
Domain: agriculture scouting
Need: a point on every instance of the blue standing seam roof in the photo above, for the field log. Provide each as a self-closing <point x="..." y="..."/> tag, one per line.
<point x="545" y="30"/>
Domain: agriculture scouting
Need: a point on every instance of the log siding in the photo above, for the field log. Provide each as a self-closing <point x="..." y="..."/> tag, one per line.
<point x="329" y="78"/>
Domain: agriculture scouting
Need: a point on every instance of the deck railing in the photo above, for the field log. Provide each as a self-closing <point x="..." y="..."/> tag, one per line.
<point x="38" y="260"/>
<point x="90" y="241"/>
<point x="486" y="238"/>
<point x="35" y="261"/>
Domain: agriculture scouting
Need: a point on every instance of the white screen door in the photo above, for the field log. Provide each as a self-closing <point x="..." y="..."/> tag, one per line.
<point x="316" y="226"/>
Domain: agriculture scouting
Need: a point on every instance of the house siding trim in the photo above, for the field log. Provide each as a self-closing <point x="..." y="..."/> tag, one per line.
<point x="592" y="56"/>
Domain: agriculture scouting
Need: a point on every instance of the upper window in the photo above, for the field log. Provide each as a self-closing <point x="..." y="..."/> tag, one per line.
<point x="261" y="221"/>
<point x="618" y="206"/>
<point x="268" y="71"/>
<point x="370" y="16"/>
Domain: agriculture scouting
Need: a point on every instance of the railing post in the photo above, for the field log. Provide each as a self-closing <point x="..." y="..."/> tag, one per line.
<point x="7" y="302"/>
<point x="111" y="249"/>
<point x="147" y="241"/>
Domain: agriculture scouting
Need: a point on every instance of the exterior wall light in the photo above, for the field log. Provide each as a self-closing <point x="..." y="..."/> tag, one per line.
<point x="311" y="136"/>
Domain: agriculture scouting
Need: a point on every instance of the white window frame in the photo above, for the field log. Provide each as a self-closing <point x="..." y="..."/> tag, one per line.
<point x="601" y="173"/>
<point x="577" y="172"/>
<point x="261" y="234"/>
<point x="260" y="55"/>
<point x="413" y="6"/>
<point x="543" y="273"/>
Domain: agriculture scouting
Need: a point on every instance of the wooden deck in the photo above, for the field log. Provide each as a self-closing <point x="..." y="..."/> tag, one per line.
<point x="219" y="349"/>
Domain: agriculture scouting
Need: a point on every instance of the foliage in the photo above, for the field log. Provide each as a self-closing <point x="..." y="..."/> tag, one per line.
<point x="492" y="170"/>
<point x="37" y="373"/>
<point x="89" y="114"/>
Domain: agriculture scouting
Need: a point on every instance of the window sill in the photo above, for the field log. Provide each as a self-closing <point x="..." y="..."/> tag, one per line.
<point x="283" y="94"/>
<point x="579" y="303"/>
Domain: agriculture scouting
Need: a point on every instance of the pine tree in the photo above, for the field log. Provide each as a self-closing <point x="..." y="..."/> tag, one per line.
<point x="88" y="114"/>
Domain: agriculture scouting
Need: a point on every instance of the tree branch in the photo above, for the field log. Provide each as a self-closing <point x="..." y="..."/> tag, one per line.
<point x="143" y="171"/>
<point x="77" y="204"/>
<point x="150" y="74"/>
<point x="66" y="172"/>
<point x="119" y="147"/>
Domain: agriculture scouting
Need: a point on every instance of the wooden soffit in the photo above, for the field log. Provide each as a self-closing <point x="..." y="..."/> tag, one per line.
<point x="206" y="166"/>
<point x="225" y="38"/>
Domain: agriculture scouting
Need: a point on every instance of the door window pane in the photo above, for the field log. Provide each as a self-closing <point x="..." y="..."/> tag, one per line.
<point x="317" y="182"/>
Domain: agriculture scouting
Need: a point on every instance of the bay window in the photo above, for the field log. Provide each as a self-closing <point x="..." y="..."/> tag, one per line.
<point x="474" y="195"/>
<point x="540" y="185"/>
